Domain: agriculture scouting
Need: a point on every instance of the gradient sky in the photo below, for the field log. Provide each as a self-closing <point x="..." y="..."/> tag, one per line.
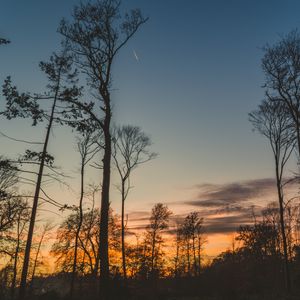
<point x="197" y="77"/>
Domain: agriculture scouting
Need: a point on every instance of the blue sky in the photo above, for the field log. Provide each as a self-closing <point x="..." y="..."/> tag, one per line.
<point x="197" y="77"/>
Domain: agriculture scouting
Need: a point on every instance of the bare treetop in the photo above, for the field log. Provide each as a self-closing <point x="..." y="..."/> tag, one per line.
<point x="97" y="33"/>
<point x="132" y="145"/>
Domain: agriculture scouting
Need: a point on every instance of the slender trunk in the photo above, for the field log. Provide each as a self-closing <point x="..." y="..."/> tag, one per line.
<point x="177" y="258"/>
<point x="13" y="284"/>
<point x="123" y="230"/>
<point x="22" y="290"/>
<point x="96" y="266"/>
<point x="298" y="135"/>
<point x="14" y="279"/>
<point x="188" y="256"/>
<point x="199" y="255"/>
<point x="73" y="277"/>
<point x="194" y="254"/>
<point x="36" y="259"/>
<point x="104" y="213"/>
<point x="153" y="251"/>
<point x="282" y="226"/>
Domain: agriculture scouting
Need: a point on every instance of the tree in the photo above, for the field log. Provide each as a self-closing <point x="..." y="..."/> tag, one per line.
<point x="272" y="120"/>
<point x="130" y="149"/>
<point x="21" y="224"/>
<point x="159" y="221"/>
<point x="189" y="244"/>
<point x="96" y="35"/>
<point x="9" y="204"/>
<point x="61" y="86"/>
<point x="87" y="149"/>
<point x="260" y="240"/>
<point x="12" y="239"/>
<point x="281" y="66"/>
<point x="88" y="247"/>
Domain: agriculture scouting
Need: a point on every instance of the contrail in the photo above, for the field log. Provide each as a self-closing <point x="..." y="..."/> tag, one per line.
<point x="135" y="55"/>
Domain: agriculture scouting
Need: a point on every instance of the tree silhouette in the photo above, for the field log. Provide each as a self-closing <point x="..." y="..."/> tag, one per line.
<point x="159" y="221"/>
<point x="281" y="67"/>
<point x="192" y="230"/>
<point x="12" y="239"/>
<point x="96" y="35"/>
<point x="87" y="148"/>
<point x="130" y="149"/>
<point x="61" y="86"/>
<point x="272" y="119"/>
<point x="88" y="247"/>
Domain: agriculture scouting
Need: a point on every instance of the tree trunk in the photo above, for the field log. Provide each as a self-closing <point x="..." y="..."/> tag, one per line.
<point x="123" y="231"/>
<point x="73" y="277"/>
<point x="22" y="290"/>
<point x="282" y="226"/>
<point x="14" y="279"/>
<point x="194" y="254"/>
<point x="199" y="255"/>
<point x="298" y="133"/>
<point x="153" y="251"/>
<point x="104" y="213"/>
<point x="36" y="260"/>
<point x="188" y="257"/>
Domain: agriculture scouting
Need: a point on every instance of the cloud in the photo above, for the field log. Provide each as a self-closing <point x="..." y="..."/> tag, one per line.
<point x="232" y="194"/>
<point x="224" y="207"/>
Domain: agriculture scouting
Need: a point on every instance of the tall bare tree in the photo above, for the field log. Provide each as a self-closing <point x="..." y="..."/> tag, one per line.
<point x="87" y="149"/>
<point x="130" y="149"/>
<point x="96" y="35"/>
<point x="272" y="120"/>
<point x="281" y="66"/>
<point x="159" y="221"/>
<point x="192" y="230"/>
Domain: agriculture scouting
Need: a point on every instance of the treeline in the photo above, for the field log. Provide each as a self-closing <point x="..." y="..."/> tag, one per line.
<point x="166" y="259"/>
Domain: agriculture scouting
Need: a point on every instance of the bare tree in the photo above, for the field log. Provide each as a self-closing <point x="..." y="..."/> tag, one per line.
<point x="87" y="148"/>
<point x="22" y="221"/>
<point x="193" y="224"/>
<point x="159" y="221"/>
<point x="12" y="244"/>
<point x="281" y="66"/>
<point x="9" y="204"/>
<point x="87" y="253"/>
<point x="96" y="35"/>
<point x="130" y="149"/>
<point x="47" y="227"/>
<point x="272" y="120"/>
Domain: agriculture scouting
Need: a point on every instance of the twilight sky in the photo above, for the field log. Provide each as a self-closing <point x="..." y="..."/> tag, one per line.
<point x="196" y="78"/>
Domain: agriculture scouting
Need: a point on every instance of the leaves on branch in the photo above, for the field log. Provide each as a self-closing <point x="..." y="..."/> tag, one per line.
<point x="37" y="157"/>
<point x="20" y="105"/>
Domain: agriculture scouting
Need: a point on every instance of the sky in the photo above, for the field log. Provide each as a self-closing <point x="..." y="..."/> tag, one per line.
<point x="189" y="78"/>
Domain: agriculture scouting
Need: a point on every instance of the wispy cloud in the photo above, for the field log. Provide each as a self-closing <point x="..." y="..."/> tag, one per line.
<point x="224" y="207"/>
<point x="231" y="194"/>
